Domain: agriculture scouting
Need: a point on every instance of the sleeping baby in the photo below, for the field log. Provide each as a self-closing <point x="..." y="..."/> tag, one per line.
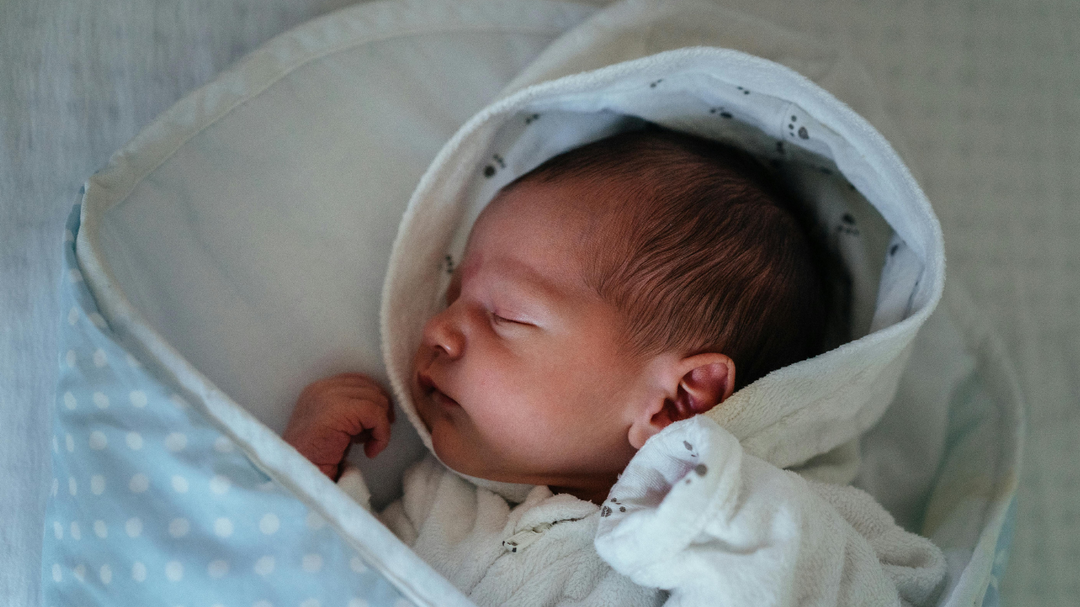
<point x="605" y="300"/>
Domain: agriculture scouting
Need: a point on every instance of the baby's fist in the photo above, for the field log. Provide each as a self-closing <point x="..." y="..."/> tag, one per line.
<point x="335" y="412"/>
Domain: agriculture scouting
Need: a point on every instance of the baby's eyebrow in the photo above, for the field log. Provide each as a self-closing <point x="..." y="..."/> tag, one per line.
<point x="523" y="280"/>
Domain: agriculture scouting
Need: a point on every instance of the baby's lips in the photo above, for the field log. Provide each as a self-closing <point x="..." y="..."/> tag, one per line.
<point x="425" y="382"/>
<point x="427" y="385"/>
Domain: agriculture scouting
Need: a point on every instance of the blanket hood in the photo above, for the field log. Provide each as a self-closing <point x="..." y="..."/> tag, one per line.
<point x="616" y="72"/>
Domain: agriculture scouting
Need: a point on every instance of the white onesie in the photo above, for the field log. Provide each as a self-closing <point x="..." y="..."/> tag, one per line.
<point x="692" y="520"/>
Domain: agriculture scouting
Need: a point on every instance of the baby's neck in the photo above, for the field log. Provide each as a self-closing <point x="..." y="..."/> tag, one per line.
<point x="595" y="493"/>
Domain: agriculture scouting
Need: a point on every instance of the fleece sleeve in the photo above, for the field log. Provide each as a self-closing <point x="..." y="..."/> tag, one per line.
<point x="696" y="516"/>
<point x="405" y="516"/>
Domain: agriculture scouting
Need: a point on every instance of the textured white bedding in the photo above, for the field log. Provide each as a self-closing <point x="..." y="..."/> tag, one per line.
<point x="984" y="93"/>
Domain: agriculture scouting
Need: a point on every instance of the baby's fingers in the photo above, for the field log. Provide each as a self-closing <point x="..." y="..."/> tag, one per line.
<point x="370" y="394"/>
<point x="376" y="434"/>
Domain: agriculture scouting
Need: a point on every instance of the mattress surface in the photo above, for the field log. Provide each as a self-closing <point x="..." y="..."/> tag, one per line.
<point x="984" y="94"/>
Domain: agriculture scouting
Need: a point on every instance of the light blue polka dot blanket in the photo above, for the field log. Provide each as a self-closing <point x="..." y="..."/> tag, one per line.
<point x="152" y="504"/>
<point x="236" y="249"/>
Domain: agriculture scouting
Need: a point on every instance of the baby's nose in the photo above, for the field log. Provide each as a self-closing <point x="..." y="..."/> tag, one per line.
<point x="442" y="334"/>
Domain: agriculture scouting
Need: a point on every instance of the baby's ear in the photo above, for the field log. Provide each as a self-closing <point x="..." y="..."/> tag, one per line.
<point x="692" y="385"/>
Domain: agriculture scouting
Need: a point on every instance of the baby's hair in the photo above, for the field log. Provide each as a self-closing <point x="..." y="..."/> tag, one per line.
<point x="699" y="247"/>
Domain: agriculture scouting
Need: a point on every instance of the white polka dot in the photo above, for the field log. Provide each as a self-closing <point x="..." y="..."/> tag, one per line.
<point x="98" y="321"/>
<point x="55" y="445"/>
<point x="73" y="316"/>
<point x="134" y="441"/>
<point x="70" y="358"/>
<point x="314" y="521"/>
<point x="265" y="565"/>
<point x="311" y="563"/>
<point x="76" y="532"/>
<point x="69" y="442"/>
<point x="55" y="486"/>
<point x="137" y="398"/>
<point x="217" y="569"/>
<point x="223" y="444"/>
<point x="58" y="530"/>
<point x="179" y="527"/>
<point x="138" y="572"/>
<point x="358" y="602"/>
<point x="174" y="571"/>
<point x="220" y="484"/>
<point x="175" y="441"/>
<point x="269" y="523"/>
<point x="179" y="402"/>
<point x="139" y="483"/>
<point x="100" y="400"/>
<point x="106" y="574"/>
<point x="57" y="573"/>
<point x="97" y="484"/>
<point x="133" y="527"/>
<point x="179" y="484"/>
<point x="223" y="527"/>
<point x="311" y="603"/>
<point x="73" y="487"/>
<point x="80" y="572"/>
<point x="100" y="529"/>
<point x="357" y="565"/>
<point x="132" y="362"/>
<point x="69" y="401"/>
<point x="98" y="440"/>
<point x="100" y="360"/>
<point x="74" y="275"/>
<point x="262" y="604"/>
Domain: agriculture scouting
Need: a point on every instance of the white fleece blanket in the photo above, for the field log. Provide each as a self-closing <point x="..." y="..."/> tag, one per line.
<point x="697" y="516"/>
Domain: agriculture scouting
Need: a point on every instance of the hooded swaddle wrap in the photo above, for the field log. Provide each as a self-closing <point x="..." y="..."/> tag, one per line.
<point x="876" y="220"/>
<point x="228" y="513"/>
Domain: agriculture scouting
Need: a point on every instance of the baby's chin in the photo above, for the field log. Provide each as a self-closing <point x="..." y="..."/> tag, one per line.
<point x="452" y="455"/>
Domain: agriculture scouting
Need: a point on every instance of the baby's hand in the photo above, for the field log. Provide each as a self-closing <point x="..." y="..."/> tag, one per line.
<point x="335" y="412"/>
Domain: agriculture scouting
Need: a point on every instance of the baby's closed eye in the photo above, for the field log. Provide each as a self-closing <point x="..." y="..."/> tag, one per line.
<point x="499" y="319"/>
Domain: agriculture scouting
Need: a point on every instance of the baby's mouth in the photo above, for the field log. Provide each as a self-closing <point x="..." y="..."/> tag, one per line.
<point x="432" y="391"/>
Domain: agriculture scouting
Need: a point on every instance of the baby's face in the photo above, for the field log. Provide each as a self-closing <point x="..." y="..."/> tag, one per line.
<point x="524" y="376"/>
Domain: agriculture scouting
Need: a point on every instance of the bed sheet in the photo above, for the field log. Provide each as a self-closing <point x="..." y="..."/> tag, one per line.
<point x="984" y="92"/>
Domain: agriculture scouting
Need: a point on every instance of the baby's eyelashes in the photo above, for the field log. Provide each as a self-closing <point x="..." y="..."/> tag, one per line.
<point x="499" y="319"/>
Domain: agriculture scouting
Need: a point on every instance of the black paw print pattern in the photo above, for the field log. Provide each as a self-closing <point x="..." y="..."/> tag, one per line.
<point x="653" y="84"/>
<point x="847" y="225"/>
<point x="606" y="510"/>
<point x="744" y="91"/>
<point x="531" y="118"/>
<point x="802" y="132"/>
<point x="720" y="110"/>
<point x="689" y="448"/>
<point x="490" y="170"/>
<point x="700" y="469"/>
<point x="448" y="263"/>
